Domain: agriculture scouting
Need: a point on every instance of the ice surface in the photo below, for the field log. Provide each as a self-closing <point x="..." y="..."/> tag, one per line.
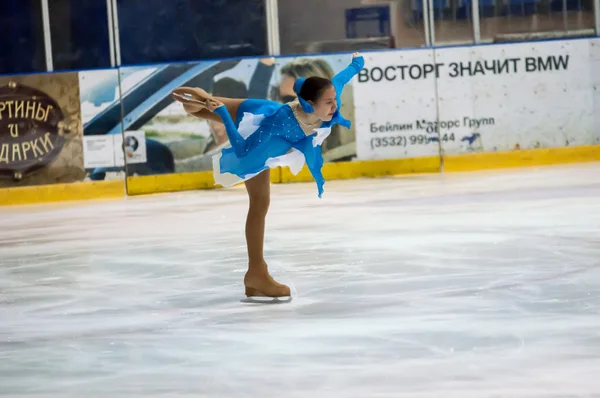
<point x="458" y="285"/>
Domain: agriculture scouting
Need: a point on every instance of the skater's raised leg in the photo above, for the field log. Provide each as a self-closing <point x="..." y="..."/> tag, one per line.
<point x="201" y="110"/>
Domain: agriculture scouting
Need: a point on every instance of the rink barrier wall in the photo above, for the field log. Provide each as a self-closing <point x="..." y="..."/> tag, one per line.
<point x="548" y="90"/>
<point x="79" y="191"/>
<point x="142" y="185"/>
<point x="331" y="171"/>
<point x="179" y="182"/>
<point x="381" y="168"/>
<point x="521" y="158"/>
<point x="366" y="168"/>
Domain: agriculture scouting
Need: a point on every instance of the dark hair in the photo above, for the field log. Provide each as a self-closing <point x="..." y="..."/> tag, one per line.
<point x="313" y="88"/>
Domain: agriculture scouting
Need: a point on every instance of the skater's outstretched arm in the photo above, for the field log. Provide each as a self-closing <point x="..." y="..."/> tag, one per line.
<point x="238" y="143"/>
<point x="342" y="78"/>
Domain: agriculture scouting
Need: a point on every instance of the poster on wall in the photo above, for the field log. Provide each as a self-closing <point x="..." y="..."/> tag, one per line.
<point x="395" y="97"/>
<point x="176" y="142"/>
<point x="517" y="96"/>
<point x="477" y="99"/>
<point x="110" y="151"/>
<point x="40" y="130"/>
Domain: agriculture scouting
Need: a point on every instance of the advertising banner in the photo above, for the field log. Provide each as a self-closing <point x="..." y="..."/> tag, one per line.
<point x="478" y="99"/>
<point x="109" y="151"/>
<point x="176" y="142"/>
<point x="69" y="127"/>
<point x="395" y="97"/>
<point x="40" y="130"/>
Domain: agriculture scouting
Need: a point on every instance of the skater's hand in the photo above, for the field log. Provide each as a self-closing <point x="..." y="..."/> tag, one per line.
<point x="355" y="55"/>
<point x="213" y="104"/>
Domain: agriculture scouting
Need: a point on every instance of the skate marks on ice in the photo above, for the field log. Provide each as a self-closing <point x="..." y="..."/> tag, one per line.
<point x="478" y="291"/>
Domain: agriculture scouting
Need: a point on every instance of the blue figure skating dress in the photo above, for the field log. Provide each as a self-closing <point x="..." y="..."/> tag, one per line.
<point x="266" y="135"/>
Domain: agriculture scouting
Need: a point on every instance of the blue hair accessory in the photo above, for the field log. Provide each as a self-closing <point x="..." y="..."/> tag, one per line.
<point x="306" y="107"/>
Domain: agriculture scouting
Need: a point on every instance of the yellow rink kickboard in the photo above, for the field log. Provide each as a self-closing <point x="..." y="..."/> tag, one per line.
<point x="163" y="183"/>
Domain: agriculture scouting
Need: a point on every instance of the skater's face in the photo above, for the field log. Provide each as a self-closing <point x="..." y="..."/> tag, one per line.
<point x="326" y="105"/>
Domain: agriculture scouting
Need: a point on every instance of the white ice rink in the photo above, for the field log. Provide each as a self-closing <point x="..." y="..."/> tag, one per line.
<point x="457" y="285"/>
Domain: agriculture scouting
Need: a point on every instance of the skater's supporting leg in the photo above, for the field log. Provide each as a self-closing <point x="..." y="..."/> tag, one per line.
<point x="257" y="280"/>
<point x="259" y="195"/>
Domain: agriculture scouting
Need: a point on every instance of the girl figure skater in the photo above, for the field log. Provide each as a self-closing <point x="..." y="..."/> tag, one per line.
<point x="266" y="134"/>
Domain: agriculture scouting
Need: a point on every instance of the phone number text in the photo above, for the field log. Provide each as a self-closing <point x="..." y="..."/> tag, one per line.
<point x="404" y="141"/>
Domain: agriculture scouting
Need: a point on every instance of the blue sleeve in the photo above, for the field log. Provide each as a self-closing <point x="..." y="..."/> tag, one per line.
<point x="314" y="161"/>
<point x="238" y="142"/>
<point x="349" y="72"/>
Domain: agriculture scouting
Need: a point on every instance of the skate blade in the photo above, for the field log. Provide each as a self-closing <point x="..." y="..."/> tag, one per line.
<point x="266" y="300"/>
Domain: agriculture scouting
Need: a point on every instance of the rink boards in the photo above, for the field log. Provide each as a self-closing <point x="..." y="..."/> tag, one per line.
<point x="412" y="111"/>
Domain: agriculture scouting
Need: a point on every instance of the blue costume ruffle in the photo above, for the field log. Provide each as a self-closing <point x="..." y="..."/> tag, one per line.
<point x="266" y="135"/>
